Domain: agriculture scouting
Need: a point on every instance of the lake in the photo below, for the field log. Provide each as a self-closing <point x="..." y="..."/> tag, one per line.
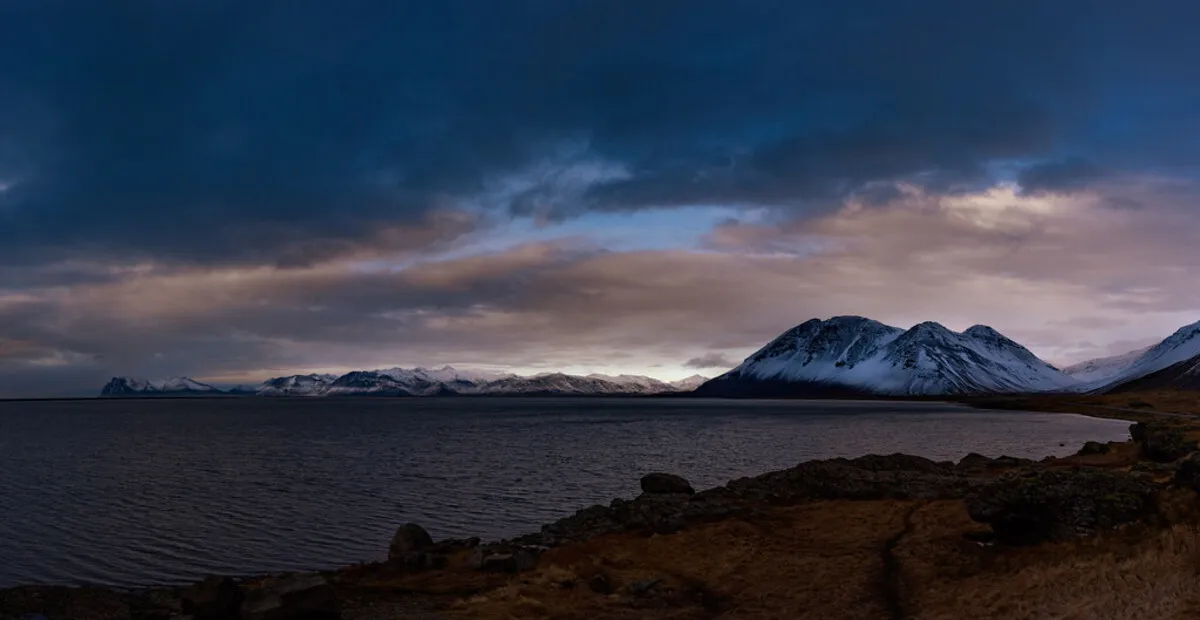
<point x="142" y="492"/>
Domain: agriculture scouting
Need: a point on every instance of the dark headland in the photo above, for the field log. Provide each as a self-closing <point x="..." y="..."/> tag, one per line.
<point x="1106" y="533"/>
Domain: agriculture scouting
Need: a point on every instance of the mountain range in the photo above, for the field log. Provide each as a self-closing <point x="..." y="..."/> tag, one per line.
<point x="445" y="381"/>
<point x="849" y="356"/>
<point x="844" y="356"/>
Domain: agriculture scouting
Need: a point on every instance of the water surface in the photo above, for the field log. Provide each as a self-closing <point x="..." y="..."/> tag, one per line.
<point x="138" y="492"/>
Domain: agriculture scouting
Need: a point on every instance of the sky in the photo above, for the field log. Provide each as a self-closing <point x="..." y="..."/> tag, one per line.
<point x="235" y="190"/>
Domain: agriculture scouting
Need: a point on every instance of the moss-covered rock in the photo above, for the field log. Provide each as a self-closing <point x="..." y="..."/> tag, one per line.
<point x="1054" y="505"/>
<point x="1161" y="443"/>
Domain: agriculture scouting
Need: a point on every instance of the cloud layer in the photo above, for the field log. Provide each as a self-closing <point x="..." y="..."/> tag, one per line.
<point x="226" y="188"/>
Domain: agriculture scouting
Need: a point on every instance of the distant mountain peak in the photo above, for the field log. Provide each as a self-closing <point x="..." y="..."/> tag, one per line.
<point x="857" y="354"/>
<point x="408" y="382"/>
<point x="1105" y="373"/>
<point x="130" y="386"/>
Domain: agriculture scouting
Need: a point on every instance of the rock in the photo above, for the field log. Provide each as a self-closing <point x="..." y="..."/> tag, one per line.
<point x="409" y="538"/>
<point x="1094" y="447"/>
<point x="1161" y="443"/>
<point x="976" y="461"/>
<point x="477" y="557"/>
<point x="1004" y="461"/>
<point x="215" y="598"/>
<point x="1153" y="469"/>
<point x="659" y="483"/>
<point x="505" y="558"/>
<point x="155" y="604"/>
<point x="1060" y="504"/>
<point x="873" y="477"/>
<point x="293" y="597"/>
<point x="642" y="588"/>
<point x="1187" y="475"/>
<point x="499" y="563"/>
<point x="600" y="584"/>
<point x="413" y="560"/>
<point x="896" y="476"/>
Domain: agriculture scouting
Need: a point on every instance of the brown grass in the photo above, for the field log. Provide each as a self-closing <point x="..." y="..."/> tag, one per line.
<point x="826" y="560"/>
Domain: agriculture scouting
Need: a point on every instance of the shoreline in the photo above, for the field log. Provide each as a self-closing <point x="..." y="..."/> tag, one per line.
<point x="446" y="576"/>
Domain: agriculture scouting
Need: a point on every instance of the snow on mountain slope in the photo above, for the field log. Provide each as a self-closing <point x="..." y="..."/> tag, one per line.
<point x="362" y="382"/>
<point x="1182" y="345"/>
<point x="296" y="385"/>
<point x="445" y="374"/>
<point x="1184" y="375"/>
<point x="409" y="382"/>
<point x="687" y="384"/>
<point x="638" y="384"/>
<point x="1104" y="368"/>
<point x="448" y="381"/>
<point x="857" y="354"/>
<point x="555" y="383"/>
<point x="130" y="386"/>
<point x="185" y="384"/>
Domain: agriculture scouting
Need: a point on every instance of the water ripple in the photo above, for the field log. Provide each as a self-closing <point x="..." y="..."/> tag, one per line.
<point x="128" y="493"/>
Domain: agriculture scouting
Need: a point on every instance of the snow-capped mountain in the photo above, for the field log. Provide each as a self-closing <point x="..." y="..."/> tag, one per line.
<point x="445" y="374"/>
<point x="687" y="384"/>
<point x="636" y="383"/>
<point x="1180" y="346"/>
<point x="445" y="381"/>
<point x="129" y="386"/>
<point x="1113" y="372"/>
<point x="1183" y="375"/>
<point x="295" y="385"/>
<point x="559" y="383"/>
<point x="1104" y="368"/>
<point x="849" y="355"/>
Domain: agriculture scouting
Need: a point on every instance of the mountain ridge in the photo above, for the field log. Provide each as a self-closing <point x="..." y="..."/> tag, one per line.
<point x="415" y="382"/>
<point x="840" y="357"/>
<point x="854" y="355"/>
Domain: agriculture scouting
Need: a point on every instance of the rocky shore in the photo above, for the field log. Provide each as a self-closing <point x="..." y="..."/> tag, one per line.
<point x="872" y="537"/>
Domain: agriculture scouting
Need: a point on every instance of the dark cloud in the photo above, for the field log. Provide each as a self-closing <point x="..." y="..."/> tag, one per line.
<point x="1058" y="177"/>
<point x="233" y="131"/>
<point x="710" y="360"/>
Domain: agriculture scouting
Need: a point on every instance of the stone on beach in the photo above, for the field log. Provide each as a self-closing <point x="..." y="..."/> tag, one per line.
<point x="215" y="598"/>
<point x="660" y="484"/>
<point x="409" y="538"/>
<point x="291" y="597"/>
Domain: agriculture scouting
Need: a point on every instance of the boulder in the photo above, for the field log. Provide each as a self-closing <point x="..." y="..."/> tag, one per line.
<point x="600" y="584"/>
<point x="659" y="484"/>
<point x="409" y="538"/>
<point x="872" y="477"/>
<point x="292" y="597"/>
<point x="1154" y="470"/>
<point x="510" y="560"/>
<point x="642" y="587"/>
<point x="1055" y="505"/>
<point x="975" y="461"/>
<point x="896" y="476"/>
<point x="215" y="598"/>
<point x="1094" y="447"/>
<point x="1161" y="443"/>
<point x="1187" y="475"/>
<point x="420" y="560"/>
